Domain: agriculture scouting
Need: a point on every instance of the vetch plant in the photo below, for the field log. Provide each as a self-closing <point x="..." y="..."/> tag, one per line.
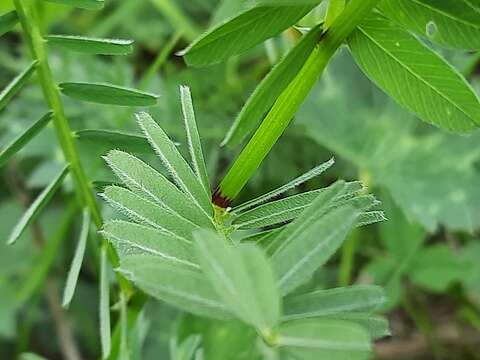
<point x="244" y="265"/>
<point x="179" y="247"/>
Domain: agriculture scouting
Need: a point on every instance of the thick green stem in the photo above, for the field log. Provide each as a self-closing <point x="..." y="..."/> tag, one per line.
<point x="36" y="43"/>
<point x="289" y="101"/>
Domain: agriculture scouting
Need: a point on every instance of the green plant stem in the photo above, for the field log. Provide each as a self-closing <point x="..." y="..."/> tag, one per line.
<point x="335" y="7"/>
<point x="177" y="18"/>
<point x="64" y="134"/>
<point x="159" y="60"/>
<point x="290" y="100"/>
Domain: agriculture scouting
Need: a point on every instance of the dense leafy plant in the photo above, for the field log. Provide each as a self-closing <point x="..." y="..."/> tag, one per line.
<point x="245" y="265"/>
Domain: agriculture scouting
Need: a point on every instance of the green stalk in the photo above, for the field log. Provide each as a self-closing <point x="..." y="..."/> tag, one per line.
<point x="177" y="18"/>
<point x="335" y="7"/>
<point x="36" y="43"/>
<point x="289" y="102"/>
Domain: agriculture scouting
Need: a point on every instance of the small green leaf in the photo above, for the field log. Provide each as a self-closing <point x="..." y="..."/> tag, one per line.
<point x="21" y="140"/>
<point x="271" y="87"/>
<point x="8" y="21"/>
<point x="317" y="170"/>
<point x="104" y="309"/>
<point x="414" y="75"/>
<point x="115" y="139"/>
<point x="176" y="165"/>
<point x="82" y="4"/>
<point x="90" y="45"/>
<point x="130" y="238"/>
<point x="30" y="356"/>
<point x="242" y="277"/>
<point x="37" y="205"/>
<point x="334" y="301"/>
<point x="177" y="285"/>
<point x="324" y="339"/>
<point x="452" y="23"/>
<point x="74" y="271"/>
<point x="194" y="143"/>
<point x="242" y="32"/>
<point x="370" y="217"/>
<point x="148" y="213"/>
<point x="289" y="208"/>
<point x="322" y="202"/>
<point x="376" y="326"/>
<point x="146" y="182"/>
<point x="296" y="259"/>
<point x="108" y="94"/>
<point x="16" y="84"/>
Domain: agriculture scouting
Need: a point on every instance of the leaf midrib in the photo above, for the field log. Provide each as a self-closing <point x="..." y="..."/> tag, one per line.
<point x="416" y="75"/>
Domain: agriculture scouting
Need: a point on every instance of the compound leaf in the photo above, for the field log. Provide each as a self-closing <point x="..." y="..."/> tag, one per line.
<point x="242" y="277"/>
<point x="130" y="238"/>
<point x="148" y="213"/>
<point x="179" y="286"/>
<point x="452" y="23"/>
<point x="317" y="170"/>
<point x="297" y="259"/>
<point x="145" y="181"/>
<point x="414" y="75"/>
<point x="176" y="165"/>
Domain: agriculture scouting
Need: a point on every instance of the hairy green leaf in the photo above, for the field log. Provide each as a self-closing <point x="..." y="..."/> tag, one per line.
<point x="179" y="286"/>
<point x="108" y="94"/>
<point x="320" y="205"/>
<point x="149" y="183"/>
<point x="16" y="84"/>
<point x="324" y="339"/>
<point x="115" y="139"/>
<point x="90" y="45"/>
<point x="317" y="170"/>
<point x="176" y="165"/>
<point x="452" y="23"/>
<point x="193" y="138"/>
<point x="271" y="87"/>
<point x="242" y="32"/>
<point x="8" y="21"/>
<point x="74" y="271"/>
<point x="242" y="277"/>
<point x="414" y="75"/>
<point x="148" y="213"/>
<point x="289" y="208"/>
<point x="130" y="238"/>
<point x="82" y="4"/>
<point x="21" y="140"/>
<point x="376" y="326"/>
<point x="37" y="205"/>
<point x="297" y="259"/>
<point x="357" y="298"/>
